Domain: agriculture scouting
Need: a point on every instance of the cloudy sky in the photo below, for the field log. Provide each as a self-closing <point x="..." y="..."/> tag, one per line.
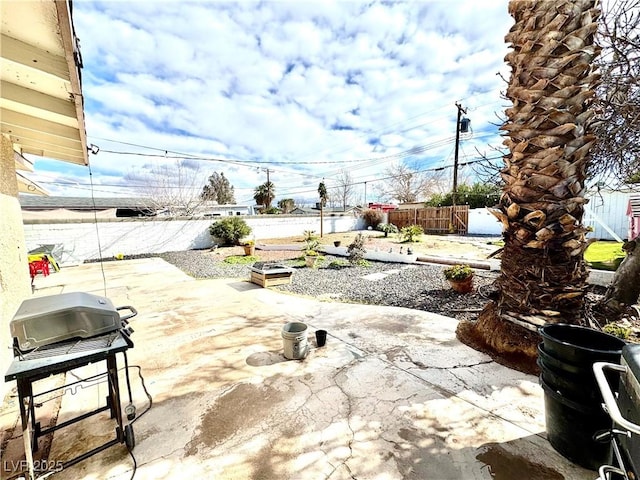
<point x="302" y="89"/>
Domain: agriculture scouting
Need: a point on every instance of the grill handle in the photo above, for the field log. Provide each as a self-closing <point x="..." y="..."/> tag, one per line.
<point x="610" y="404"/>
<point x="133" y="313"/>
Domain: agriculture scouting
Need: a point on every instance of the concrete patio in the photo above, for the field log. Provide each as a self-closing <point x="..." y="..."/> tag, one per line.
<point x="392" y="395"/>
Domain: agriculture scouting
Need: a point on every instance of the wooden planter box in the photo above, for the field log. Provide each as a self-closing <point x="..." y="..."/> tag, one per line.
<point x="268" y="277"/>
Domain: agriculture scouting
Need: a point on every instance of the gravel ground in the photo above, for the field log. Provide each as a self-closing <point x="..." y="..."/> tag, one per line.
<point x="421" y="287"/>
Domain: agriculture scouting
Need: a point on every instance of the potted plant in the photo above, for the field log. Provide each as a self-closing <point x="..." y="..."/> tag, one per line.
<point x="310" y="257"/>
<point x="337" y="243"/>
<point x="310" y="248"/>
<point x="249" y="247"/>
<point x="460" y="277"/>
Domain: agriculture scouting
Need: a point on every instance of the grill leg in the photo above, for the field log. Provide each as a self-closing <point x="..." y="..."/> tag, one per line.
<point x="25" y="399"/>
<point x="114" y="394"/>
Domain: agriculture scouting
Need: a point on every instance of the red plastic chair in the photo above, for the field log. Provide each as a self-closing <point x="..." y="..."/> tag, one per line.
<point x="39" y="266"/>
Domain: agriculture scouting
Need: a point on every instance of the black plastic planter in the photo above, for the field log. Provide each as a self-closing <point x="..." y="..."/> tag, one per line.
<point x="573" y="410"/>
<point x="571" y="426"/>
<point x="580" y="345"/>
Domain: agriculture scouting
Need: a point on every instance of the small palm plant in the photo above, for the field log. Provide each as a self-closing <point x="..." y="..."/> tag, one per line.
<point x="311" y="243"/>
<point x="387" y="228"/>
<point x="310" y="247"/>
<point x="411" y="233"/>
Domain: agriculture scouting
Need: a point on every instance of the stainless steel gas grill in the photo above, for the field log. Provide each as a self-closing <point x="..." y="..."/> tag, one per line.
<point x="58" y="333"/>
<point x="624" y="410"/>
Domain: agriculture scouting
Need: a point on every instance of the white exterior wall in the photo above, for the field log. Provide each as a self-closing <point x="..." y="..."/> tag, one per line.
<point x="481" y="222"/>
<point x="15" y="285"/>
<point x="223" y="210"/>
<point x="610" y="208"/>
<point x="141" y="236"/>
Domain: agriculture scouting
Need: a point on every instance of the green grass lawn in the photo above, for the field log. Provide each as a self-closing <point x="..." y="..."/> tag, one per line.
<point x="604" y="255"/>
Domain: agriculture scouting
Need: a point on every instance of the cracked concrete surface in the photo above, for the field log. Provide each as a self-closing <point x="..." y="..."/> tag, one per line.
<point x="392" y="395"/>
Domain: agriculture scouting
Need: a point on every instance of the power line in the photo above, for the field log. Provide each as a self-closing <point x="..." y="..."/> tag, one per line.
<point x="361" y="182"/>
<point x="433" y="169"/>
<point x="186" y="156"/>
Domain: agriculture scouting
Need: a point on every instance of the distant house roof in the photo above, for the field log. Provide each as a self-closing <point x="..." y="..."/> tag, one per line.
<point x="32" y="202"/>
<point x="304" y="211"/>
<point x="39" y="207"/>
<point x="410" y="205"/>
<point x="348" y="209"/>
<point x="385" y="207"/>
<point x="325" y="210"/>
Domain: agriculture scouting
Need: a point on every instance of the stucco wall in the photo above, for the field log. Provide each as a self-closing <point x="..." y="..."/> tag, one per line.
<point x="86" y="239"/>
<point x="15" y="285"/>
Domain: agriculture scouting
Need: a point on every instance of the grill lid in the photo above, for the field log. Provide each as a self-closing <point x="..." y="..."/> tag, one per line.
<point x="44" y="320"/>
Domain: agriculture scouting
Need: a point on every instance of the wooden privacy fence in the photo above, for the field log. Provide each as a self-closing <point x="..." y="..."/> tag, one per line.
<point x="433" y="219"/>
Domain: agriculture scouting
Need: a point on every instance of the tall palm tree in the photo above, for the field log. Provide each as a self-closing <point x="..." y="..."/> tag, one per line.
<point x="324" y="196"/>
<point x="549" y="134"/>
<point x="264" y="194"/>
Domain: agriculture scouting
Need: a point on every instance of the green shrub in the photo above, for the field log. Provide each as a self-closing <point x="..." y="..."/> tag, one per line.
<point x="387" y="228"/>
<point x="409" y="233"/>
<point x="617" y="330"/>
<point x="241" y="259"/>
<point x="230" y="230"/>
<point x="356" y="250"/>
<point x="338" y="265"/>
<point x="372" y="217"/>
<point x="458" y="272"/>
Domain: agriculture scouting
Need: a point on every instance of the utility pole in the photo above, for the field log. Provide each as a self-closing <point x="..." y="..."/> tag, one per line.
<point x="455" y="166"/>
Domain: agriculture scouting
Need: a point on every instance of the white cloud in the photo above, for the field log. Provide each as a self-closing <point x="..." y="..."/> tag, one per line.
<point x="286" y="81"/>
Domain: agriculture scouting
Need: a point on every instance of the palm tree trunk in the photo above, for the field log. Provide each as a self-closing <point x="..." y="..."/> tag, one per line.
<point x="625" y="288"/>
<point x="543" y="274"/>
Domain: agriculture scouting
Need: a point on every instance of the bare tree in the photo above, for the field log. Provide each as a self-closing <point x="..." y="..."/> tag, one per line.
<point x="344" y="189"/>
<point x="616" y="155"/>
<point x="173" y="188"/>
<point x="405" y="184"/>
